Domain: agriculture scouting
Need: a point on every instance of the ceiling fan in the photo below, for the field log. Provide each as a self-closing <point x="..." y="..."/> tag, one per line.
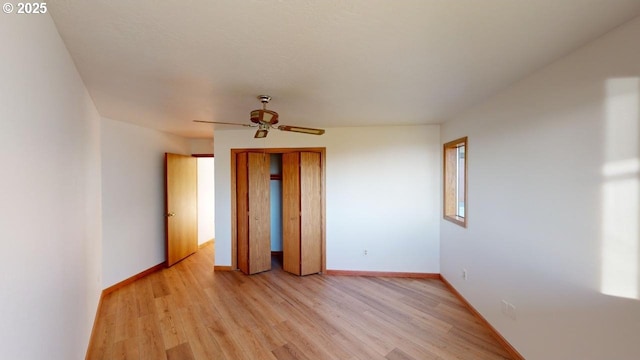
<point x="265" y="119"/>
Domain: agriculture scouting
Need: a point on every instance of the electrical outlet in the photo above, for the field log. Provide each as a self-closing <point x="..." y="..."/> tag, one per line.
<point x="508" y="309"/>
<point x="503" y="307"/>
<point x="365" y="253"/>
<point x="512" y="311"/>
<point x="465" y="275"/>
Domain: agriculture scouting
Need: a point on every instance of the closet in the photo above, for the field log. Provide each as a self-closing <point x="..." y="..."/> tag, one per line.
<point x="302" y="210"/>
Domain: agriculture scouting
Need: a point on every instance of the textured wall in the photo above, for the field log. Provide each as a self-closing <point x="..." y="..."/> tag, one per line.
<point x="50" y="195"/>
<point x="553" y="205"/>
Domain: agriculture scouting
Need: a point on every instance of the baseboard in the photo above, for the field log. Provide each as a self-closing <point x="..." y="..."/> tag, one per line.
<point x="93" y="328"/>
<point x="222" y="268"/>
<point x="383" y="274"/>
<point x="510" y="349"/>
<point x="128" y="281"/>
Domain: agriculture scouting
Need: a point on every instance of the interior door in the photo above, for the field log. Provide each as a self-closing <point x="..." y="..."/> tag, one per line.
<point x="181" y="207"/>
<point x="302" y="213"/>
<point x="253" y="217"/>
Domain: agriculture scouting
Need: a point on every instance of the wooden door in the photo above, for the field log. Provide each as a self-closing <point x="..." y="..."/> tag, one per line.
<point x="181" y="207"/>
<point x="291" y="212"/>
<point x="302" y="213"/>
<point x="242" y="208"/>
<point x="310" y="213"/>
<point x="253" y="212"/>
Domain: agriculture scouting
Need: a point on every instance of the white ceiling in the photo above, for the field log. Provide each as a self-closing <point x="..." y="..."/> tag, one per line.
<point x="326" y="63"/>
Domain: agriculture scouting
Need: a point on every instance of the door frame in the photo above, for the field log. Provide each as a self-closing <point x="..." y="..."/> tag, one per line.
<point x="234" y="200"/>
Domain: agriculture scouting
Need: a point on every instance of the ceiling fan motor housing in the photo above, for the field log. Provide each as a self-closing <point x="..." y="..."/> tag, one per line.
<point x="264" y="116"/>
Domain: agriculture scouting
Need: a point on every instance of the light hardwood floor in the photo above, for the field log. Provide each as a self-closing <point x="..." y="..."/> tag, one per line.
<point x="189" y="312"/>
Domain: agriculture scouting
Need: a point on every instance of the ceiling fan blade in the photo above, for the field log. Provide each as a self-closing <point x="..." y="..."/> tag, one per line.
<point x="223" y="123"/>
<point x="300" y="129"/>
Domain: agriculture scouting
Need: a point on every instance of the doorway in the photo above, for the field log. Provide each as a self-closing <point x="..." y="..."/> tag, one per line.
<point x="206" y="199"/>
<point x="240" y="204"/>
<point x="275" y="176"/>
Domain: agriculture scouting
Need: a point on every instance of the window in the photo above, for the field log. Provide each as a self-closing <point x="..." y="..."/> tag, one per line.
<point x="455" y="181"/>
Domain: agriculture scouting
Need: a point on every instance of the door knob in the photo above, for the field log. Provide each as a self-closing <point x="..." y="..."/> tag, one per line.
<point x="171" y="214"/>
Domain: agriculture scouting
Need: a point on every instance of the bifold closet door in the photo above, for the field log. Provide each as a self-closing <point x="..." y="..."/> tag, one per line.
<point x="253" y="218"/>
<point x="291" y="212"/>
<point x="302" y="212"/>
<point x="311" y="217"/>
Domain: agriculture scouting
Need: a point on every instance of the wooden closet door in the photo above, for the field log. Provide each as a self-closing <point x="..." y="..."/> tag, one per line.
<point x="302" y="213"/>
<point x="259" y="213"/>
<point x="242" y="209"/>
<point x="291" y="212"/>
<point x="310" y="213"/>
<point x="254" y="220"/>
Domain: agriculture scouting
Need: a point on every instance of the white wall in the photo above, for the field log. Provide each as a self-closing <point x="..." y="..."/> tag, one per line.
<point x="49" y="195"/>
<point x="201" y="146"/>
<point x="206" y="199"/>
<point x="553" y="205"/>
<point x="133" y="197"/>
<point x="382" y="194"/>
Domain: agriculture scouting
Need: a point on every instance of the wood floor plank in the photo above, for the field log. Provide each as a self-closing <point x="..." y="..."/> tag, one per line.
<point x="169" y="322"/>
<point x="289" y="352"/>
<point x="191" y="312"/>
<point x="109" y="304"/>
<point x="303" y="321"/>
<point x="304" y="342"/>
<point x="159" y="284"/>
<point x="195" y="281"/>
<point x="203" y="345"/>
<point x="144" y="296"/>
<point x="459" y="317"/>
<point x="180" y="352"/>
<point x="482" y="340"/>
<point x="397" y="354"/>
<point x="151" y="343"/>
<point x="104" y="335"/>
<point x="229" y="345"/>
<point x="253" y="344"/>
<point x="176" y="287"/>
<point x="408" y="337"/>
<point x="126" y="314"/>
<point x="126" y="350"/>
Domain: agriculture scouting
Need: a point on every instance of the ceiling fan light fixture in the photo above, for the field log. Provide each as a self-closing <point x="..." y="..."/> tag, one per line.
<point x="261" y="133"/>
